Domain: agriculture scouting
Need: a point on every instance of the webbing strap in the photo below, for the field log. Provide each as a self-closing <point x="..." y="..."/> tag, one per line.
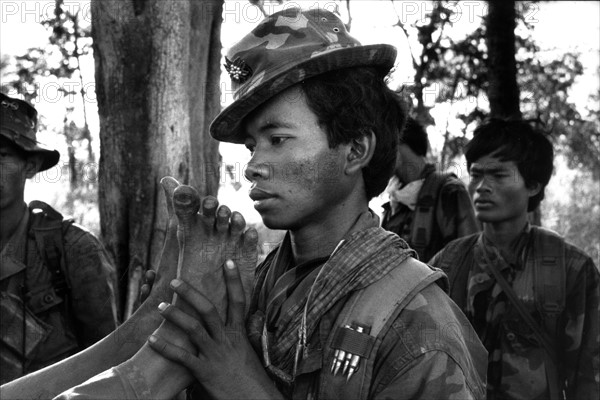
<point x="543" y="337"/>
<point x="512" y="296"/>
<point x="47" y="227"/>
<point x="376" y="307"/>
<point x="422" y="225"/>
<point x="548" y="262"/>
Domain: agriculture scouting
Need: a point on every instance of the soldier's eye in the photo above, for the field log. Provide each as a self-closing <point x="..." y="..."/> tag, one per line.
<point x="275" y="140"/>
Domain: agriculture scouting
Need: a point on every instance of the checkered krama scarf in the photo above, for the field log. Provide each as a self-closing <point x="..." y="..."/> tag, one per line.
<point x="363" y="257"/>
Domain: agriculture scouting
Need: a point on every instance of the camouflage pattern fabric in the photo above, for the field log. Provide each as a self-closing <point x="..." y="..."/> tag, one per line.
<point x="366" y="254"/>
<point x="286" y="48"/>
<point x="19" y="125"/>
<point x="91" y="312"/>
<point x="453" y="216"/>
<point x="517" y="362"/>
<point x="430" y="352"/>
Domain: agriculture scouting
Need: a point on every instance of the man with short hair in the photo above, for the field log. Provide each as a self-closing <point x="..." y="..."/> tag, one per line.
<point x="340" y="309"/>
<point x="531" y="297"/>
<point x="313" y="109"/>
<point x="427" y="208"/>
<point x="56" y="279"/>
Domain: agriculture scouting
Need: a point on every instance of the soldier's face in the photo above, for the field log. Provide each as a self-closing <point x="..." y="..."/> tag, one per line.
<point x="297" y="179"/>
<point x="15" y="168"/>
<point x="498" y="190"/>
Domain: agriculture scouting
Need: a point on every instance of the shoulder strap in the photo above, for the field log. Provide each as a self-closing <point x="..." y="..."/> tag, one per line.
<point x="454" y="262"/>
<point x="422" y="225"/>
<point x="512" y="296"/>
<point x="546" y="340"/>
<point x="549" y="274"/>
<point x="359" y="329"/>
<point x="47" y="227"/>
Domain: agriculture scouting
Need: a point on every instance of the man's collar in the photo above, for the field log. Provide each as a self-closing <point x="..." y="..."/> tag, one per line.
<point x="516" y="256"/>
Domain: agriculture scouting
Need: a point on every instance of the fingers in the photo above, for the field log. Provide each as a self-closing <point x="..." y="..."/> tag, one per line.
<point x="235" y="294"/>
<point x="149" y="277"/>
<point x="250" y="244"/>
<point x="167" y="267"/>
<point x="247" y="264"/>
<point x="186" y="201"/>
<point x="174" y="353"/>
<point x="200" y="304"/>
<point x="144" y="292"/>
<point x="169" y="184"/>
<point x="222" y="222"/>
<point x="238" y="223"/>
<point x="209" y="207"/>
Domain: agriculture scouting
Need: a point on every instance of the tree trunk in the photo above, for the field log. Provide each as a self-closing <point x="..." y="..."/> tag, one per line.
<point x="157" y="80"/>
<point x="503" y="92"/>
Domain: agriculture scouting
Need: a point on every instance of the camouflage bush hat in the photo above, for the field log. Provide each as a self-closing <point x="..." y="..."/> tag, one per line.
<point x="18" y="124"/>
<point x="284" y="49"/>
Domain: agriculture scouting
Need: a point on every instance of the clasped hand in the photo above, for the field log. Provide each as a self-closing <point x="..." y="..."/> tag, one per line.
<point x="224" y="361"/>
<point x="205" y="330"/>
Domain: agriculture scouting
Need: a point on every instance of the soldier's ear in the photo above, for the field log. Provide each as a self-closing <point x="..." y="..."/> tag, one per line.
<point x="534" y="188"/>
<point x="360" y="152"/>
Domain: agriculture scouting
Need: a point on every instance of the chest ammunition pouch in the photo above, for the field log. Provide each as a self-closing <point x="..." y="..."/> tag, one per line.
<point x="374" y="308"/>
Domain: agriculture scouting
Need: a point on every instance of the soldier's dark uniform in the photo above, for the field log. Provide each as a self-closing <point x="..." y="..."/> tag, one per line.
<point x="517" y="365"/>
<point x="42" y="324"/>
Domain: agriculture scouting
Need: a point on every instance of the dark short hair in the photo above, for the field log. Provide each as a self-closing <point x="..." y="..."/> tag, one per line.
<point x="518" y="141"/>
<point x="353" y="102"/>
<point x="415" y="137"/>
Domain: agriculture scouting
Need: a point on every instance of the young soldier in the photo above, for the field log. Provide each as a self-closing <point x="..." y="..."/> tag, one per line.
<point x="313" y="109"/>
<point x="56" y="280"/>
<point x="531" y="297"/>
<point x="341" y="309"/>
<point x="427" y="208"/>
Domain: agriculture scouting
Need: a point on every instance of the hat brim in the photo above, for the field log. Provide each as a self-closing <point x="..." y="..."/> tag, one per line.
<point x="49" y="157"/>
<point x="227" y="126"/>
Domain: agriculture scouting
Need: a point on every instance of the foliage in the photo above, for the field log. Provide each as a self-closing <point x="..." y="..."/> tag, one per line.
<point x="545" y="97"/>
<point x="57" y="65"/>
<point x="456" y="71"/>
<point x="572" y="207"/>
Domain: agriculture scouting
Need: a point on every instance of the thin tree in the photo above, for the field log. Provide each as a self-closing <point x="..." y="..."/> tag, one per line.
<point x="503" y="91"/>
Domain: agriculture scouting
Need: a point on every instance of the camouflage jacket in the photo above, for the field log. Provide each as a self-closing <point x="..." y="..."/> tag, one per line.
<point x="453" y="216"/>
<point x="517" y="362"/>
<point x="423" y="357"/>
<point x="420" y="356"/>
<point x="55" y="327"/>
<point x="430" y="352"/>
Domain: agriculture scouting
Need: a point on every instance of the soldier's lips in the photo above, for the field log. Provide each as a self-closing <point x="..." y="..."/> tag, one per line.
<point x="261" y="198"/>
<point x="482" y="204"/>
<point x="257" y="194"/>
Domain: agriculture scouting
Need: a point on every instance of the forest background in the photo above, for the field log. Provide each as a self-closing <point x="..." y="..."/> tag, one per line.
<point x="47" y="58"/>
